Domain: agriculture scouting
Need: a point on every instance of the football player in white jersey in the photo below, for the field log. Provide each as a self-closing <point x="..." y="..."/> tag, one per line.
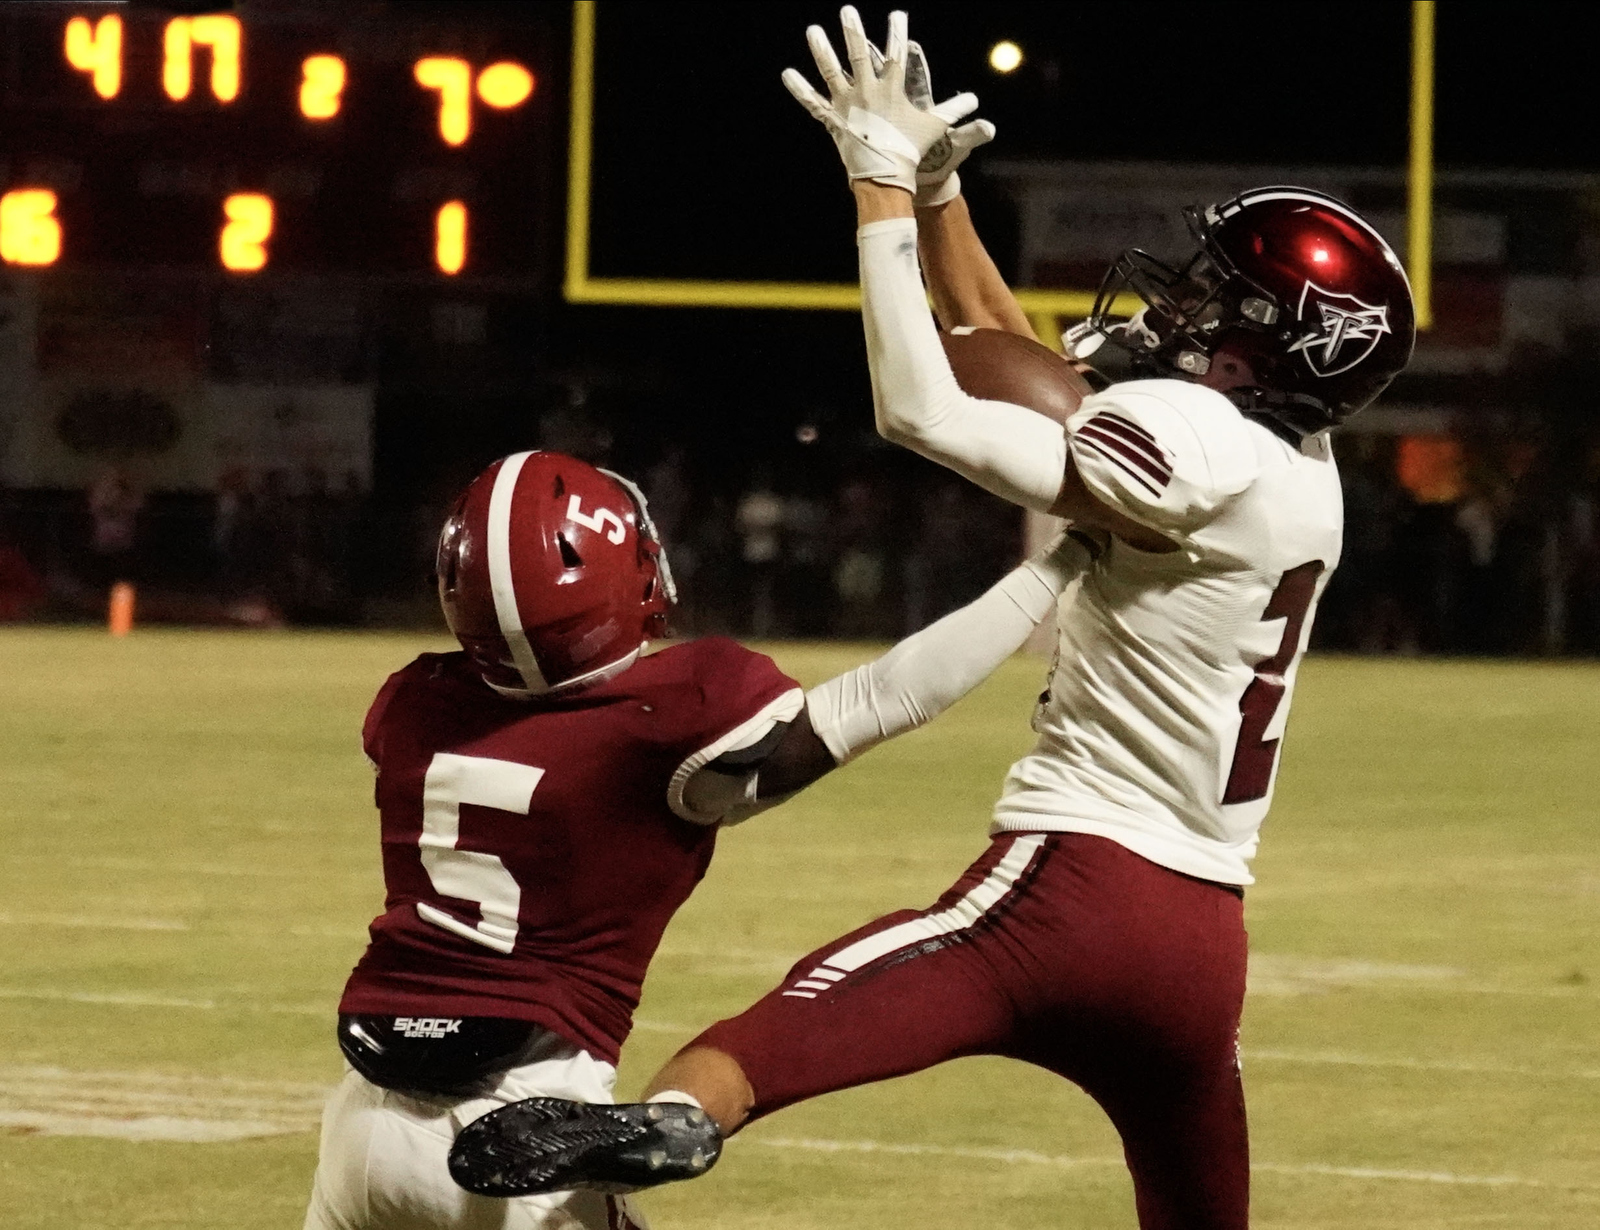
<point x="1101" y="935"/>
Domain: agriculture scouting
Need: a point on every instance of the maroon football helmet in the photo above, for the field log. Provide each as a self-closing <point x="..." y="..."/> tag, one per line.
<point x="1295" y="282"/>
<point x="551" y="574"/>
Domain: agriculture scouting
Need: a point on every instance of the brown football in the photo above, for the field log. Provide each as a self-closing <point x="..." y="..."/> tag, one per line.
<point x="1000" y="366"/>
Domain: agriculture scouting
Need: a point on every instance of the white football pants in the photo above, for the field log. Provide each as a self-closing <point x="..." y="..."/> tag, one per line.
<point x="382" y="1162"/>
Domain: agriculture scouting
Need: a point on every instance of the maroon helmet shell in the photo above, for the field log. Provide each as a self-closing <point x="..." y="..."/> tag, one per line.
<point x="550" y="572"/>
<point x="1294" y="280"/>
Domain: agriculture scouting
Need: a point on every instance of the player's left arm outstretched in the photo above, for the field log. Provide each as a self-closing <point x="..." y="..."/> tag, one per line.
<point x="921" y="677"/>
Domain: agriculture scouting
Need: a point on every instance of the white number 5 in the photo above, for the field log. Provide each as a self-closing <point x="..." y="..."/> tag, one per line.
<point x="597" y="520"/>
<point x="465" y="874"/>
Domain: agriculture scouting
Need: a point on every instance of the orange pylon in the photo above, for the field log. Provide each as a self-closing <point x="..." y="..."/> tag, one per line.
<point x="119" y="615"/>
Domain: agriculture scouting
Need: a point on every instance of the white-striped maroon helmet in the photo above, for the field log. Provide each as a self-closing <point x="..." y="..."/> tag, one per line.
<point x="551" y="573"/>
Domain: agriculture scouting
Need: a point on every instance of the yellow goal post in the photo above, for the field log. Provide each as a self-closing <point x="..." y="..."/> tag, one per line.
<point x="1044" y="307"/>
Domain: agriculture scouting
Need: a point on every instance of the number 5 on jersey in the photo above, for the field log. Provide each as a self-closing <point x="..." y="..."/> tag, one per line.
<point x="467" y="874"/>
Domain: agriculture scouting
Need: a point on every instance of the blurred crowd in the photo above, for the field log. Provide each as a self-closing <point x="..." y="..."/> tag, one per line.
<point x="875" y="556"/>
<point x="261" y="549"/>
<point x="1453" y="545"/>
<point x="1467" y="546"/>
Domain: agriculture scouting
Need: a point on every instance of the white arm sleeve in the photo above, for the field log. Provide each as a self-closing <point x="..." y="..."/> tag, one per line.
<point x="1009" y="450"/>
<point x="929" y="671"/>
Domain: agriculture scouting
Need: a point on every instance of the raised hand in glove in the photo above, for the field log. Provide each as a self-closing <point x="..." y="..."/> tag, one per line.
<point x="882" y="132"/>
<point x="937" y="181"/>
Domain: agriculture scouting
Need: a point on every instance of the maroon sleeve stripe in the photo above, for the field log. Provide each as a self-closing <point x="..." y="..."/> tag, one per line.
<point x="1134" y="435"/>
<point x="1157" y="474"/>
<point x="1119" y="463"/>
<point x="1156" y="468"/>
<point x="1132" y="428"/>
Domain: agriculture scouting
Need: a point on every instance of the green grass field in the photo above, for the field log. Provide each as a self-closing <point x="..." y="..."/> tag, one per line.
<point x="190" y="861"/>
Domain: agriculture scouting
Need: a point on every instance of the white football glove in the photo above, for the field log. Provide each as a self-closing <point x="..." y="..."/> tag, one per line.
<point x="882" y="134"/>
<point x="937" y="181"/>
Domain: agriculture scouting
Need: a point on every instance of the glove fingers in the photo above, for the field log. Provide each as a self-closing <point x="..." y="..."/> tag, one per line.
<point x="957" y="108"/>
<point x="856" y="46"/>
<point x="893" y="73"/>
<point x="919" y="81"/>
<point x="895" y="49"/>
<point x="807" y="97"/>
<point x="833" y="76"/>
<point x="969" y="136"/>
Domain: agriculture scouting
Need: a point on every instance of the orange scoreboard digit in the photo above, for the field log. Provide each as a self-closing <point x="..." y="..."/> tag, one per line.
<point x="135" y="137"/>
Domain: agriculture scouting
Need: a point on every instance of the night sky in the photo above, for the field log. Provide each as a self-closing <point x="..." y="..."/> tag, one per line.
<point x="708" y="168"/>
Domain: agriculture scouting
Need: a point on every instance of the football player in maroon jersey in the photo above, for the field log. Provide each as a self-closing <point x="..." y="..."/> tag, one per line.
<point x="548" y="797"/>
<point x="1101" y="935"/>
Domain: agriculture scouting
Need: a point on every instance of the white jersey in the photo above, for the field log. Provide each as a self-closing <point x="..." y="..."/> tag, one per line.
<point x="1167" y="702"/>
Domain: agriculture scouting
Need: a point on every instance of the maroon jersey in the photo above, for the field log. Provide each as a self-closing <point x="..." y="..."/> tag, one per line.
<point x="531" y="859"/>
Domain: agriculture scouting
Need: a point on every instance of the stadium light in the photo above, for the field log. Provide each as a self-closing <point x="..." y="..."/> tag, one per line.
<point x="1005" y="57"/>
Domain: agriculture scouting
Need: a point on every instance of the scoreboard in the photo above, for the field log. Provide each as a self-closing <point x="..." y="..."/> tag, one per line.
<point x="333" y="139"/>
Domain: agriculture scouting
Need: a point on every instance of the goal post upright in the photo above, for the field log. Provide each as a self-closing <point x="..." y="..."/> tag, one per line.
<point x="1419" y="179"/>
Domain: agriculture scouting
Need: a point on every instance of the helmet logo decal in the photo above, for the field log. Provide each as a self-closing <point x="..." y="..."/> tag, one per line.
<point x="597" y="520"/>
<point x="1347" y="332"/>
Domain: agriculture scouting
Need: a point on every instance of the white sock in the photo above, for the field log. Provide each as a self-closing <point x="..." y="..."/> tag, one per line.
<point x="675" y="1095"/>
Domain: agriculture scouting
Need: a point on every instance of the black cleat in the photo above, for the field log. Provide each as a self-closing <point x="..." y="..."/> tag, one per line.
<point x="553" y="1145"/>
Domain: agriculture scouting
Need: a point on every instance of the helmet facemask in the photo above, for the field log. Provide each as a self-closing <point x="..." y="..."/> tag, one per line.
<point x="1248" y="289"/>
<point x="1188" y="311"/>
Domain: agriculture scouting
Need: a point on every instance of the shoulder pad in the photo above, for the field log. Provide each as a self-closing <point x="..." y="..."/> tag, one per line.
<point x="1167" y="453"/>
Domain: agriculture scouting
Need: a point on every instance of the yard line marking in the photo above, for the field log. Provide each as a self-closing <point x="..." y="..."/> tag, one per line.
<point x="148" y="1106"/>
<point x="1414" y="1176"/>
<point x="1275" y="987"/>
<point x="662" y="1027"/>
<point x="89" y="923"/>
<point x="50" y="1072"/>
<point x="1526" y="992"/>
<point x="1009" y="1156"/>
<point x="1339" y="1059"/>
<point x="1031" y="1158"/>
<point x="97" y="997"/>
<point x="163" y="1128"/>
<point x="121" y="999"/>
<point x="164" y="868"/>
<point x="1278" y="974"/>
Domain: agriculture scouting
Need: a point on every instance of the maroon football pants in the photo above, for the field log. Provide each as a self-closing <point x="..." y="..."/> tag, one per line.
<point x="1066" y="951"/>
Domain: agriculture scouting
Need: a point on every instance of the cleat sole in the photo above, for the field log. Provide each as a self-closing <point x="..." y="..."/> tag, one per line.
<point x="550" y="1144"/>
